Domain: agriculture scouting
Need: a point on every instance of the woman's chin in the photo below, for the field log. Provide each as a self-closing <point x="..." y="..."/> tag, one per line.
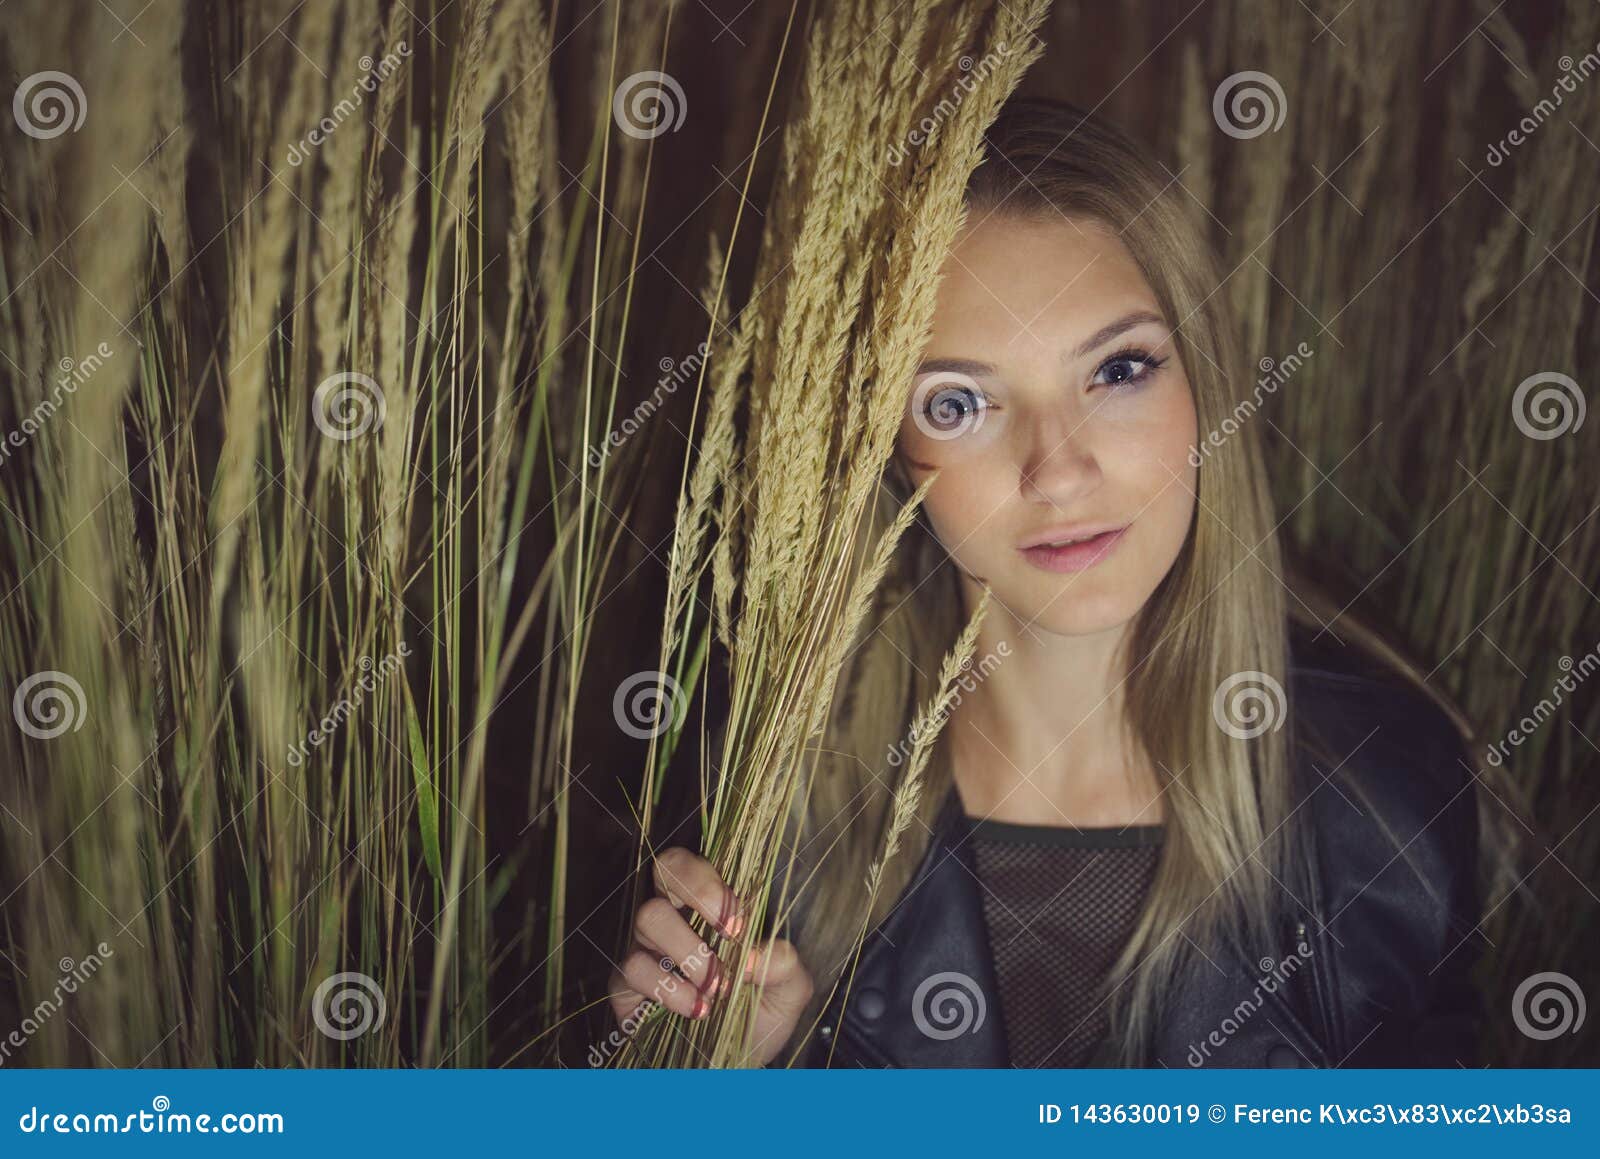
<point x="1077" y="607"/>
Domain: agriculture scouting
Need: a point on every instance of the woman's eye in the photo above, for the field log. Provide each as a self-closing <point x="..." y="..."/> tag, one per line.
<point x="949" y="409"/>
<point x="953" y="404"/>
<point x="1127" y="367"/>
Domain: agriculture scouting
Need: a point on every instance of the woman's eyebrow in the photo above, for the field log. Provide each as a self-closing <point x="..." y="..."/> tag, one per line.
<point x="1096" y="340"/>
<point x="954" y="366"/>
<point x="1107" y="332"/>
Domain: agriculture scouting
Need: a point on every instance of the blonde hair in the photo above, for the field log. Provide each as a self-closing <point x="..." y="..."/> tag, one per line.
<point x="1219" y="611"/>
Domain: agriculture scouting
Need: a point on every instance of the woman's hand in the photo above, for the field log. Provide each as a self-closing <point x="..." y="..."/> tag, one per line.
<point x="663" y="939"/>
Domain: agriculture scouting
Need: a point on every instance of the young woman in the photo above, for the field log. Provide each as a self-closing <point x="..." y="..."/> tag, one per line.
<point x="1165" y="824"/>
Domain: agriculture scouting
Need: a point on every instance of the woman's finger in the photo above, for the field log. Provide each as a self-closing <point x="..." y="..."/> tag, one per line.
<point x="645" y="975"/>
<point x="685" y="878"/>
<point x="660" y="927"/>
<point x="625" y="1000"/>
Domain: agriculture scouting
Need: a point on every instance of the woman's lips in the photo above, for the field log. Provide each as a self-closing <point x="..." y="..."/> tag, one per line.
<point x="1074" y="556"/>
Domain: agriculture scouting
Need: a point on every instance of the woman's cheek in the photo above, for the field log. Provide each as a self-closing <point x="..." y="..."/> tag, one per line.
<point x="1182" y="421"/>
<point x="963" y="501"/>
<point x="1156" y="440"/>
<point x="1170" y="480"/>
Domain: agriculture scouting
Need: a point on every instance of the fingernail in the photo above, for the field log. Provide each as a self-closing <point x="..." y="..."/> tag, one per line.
<point x="728" y="915"/>
<point x="716" y="980"/>
<point x="701" y="1007"/>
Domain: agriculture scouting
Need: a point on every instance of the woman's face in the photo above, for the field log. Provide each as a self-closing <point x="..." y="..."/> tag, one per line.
<point x="1052" y="401"/>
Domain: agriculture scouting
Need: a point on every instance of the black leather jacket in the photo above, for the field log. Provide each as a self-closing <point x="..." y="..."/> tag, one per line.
<point x="1378" y="924"/>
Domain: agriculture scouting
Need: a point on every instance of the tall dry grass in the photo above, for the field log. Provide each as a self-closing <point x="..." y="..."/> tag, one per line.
<point x="282" y="548"/>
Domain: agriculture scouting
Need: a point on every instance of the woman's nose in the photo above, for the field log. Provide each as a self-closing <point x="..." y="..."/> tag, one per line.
<point x="1059" y="463"/>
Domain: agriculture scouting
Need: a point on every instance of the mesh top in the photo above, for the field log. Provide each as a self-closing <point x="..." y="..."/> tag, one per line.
<point x="1060" y="905"/>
